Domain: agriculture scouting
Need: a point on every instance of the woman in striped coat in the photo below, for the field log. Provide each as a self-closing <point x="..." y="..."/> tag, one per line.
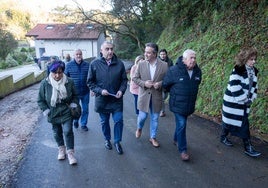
<point x="238" y="97"/>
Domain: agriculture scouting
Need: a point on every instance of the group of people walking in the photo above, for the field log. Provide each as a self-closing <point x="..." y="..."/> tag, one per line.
<point x="152" y="78"/>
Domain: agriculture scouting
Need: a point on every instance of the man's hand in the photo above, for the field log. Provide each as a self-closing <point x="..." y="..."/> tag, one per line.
<point x="104" y="92"/>
<point x="119" y="94"/>
<point x="157" y="85"/>
<point x="148" y="83"/>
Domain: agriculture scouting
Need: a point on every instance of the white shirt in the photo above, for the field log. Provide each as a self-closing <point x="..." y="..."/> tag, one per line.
<point x="152" y="68"/>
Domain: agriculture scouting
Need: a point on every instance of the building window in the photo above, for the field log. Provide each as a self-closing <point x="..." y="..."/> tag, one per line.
<point x="70" y="27"/>
<point x="49" y="27"/>
<point x="89" y="26"/>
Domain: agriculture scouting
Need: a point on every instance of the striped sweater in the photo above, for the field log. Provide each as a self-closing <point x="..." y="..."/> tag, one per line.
<point x="236" y="95"/>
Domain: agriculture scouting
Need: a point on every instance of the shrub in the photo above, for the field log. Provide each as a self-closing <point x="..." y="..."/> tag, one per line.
<point x="11" y="62"/>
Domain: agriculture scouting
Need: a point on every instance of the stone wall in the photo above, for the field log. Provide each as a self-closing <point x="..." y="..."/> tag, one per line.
<point x="8" y="86"/>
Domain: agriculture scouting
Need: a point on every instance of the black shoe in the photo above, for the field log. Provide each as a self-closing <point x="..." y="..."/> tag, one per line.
<point x="76" y="125"/>
<point x="226" y="142"/>
<point x="108" y="145"/>
<point x="118" y="148"/>
<point x="84" y="128"/>
<point x="250" y="151"/>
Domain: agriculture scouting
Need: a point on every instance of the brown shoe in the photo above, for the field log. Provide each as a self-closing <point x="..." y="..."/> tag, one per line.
<point x="162" y="114"/>
<point x="185" y="156"/>
<point x="138" y="133"/>
<point x="154" y="142"/>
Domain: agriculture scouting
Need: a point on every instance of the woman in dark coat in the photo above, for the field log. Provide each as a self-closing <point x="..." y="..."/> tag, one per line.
<point x="238" y="97"/>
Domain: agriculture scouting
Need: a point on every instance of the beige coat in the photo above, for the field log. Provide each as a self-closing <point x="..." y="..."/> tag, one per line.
<point x="145" y="94"/>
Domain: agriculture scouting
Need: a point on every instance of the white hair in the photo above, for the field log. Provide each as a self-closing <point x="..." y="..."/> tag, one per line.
<point x="188" y="52"/>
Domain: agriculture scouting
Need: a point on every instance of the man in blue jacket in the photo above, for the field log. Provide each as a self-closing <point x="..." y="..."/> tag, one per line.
<point x="107" y="79"/>
<point x="182" y="81"/>
<point x="77" y="69"/>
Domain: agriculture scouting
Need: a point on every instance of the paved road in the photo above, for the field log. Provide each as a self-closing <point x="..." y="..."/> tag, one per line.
<point x="211" y="165"/>
<point x="20" y="71"/>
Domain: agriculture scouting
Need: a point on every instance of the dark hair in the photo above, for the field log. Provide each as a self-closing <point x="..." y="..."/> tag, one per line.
<point x="163" y="50"/>
<point x="56" y="65"/>
<point x="152" y="45"/>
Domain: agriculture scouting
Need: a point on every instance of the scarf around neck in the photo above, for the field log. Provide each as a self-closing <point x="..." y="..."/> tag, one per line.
<point x="58" y="89"/>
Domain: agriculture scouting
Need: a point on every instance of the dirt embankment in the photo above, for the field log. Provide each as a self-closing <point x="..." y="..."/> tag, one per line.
<point x="18" y="117"/>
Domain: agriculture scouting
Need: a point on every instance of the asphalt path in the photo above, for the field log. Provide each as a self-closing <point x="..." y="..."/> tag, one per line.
<point x="142" y="166"/>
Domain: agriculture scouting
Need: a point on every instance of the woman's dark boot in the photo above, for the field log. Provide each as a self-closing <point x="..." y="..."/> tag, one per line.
<point x="224" y="138"/>
<point x="249" y="150"/>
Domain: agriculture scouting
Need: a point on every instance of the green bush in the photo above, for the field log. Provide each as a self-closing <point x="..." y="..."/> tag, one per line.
<point x="11" y="62"/>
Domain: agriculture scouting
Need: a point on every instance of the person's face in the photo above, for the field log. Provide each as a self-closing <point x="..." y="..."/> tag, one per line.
<point x="78" y="56"/>
<point x="190" y="61"/>
<point x="251" y="61"/>
<point x="163" y="55"/>
<point x="57" y="75"/>
<point x="107" y="51"/>
<point x="149" y="54"/>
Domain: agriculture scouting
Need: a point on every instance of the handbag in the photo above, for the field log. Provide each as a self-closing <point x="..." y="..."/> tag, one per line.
<point x="75" y="110"/>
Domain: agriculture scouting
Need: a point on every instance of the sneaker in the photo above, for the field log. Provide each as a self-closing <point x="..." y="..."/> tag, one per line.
<point x="72" y="159"/>
<point x="62" y="153"/>
<point x="84" y="128"/>
<point x="226" y="142"/>
<point x="250" y="151"/>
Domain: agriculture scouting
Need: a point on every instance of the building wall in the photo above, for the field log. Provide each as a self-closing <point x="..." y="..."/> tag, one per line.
<point x="90" y="48"/>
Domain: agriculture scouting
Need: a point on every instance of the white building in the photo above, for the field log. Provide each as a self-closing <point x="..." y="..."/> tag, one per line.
<point x="60" y="39"/>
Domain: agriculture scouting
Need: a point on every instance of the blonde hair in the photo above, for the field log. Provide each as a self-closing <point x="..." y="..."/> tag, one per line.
<point x="138" y="59"/>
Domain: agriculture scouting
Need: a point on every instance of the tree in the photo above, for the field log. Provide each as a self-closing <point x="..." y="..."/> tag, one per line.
<point x="131" y="20"/>
<point x="7" y="43"/>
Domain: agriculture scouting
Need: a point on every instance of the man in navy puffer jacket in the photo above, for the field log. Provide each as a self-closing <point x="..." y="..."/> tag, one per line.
<point x="77" y="69"/>
<point x="182" y="81"/>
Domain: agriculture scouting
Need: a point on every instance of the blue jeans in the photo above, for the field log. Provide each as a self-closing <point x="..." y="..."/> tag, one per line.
<point x="153" y="121"/>
<point x="118" y="125"/>
<point x="65" y="129"/>
<point x="84" y="101"/>
<point x="135" y="102"/>
<point x="180" y="132"/>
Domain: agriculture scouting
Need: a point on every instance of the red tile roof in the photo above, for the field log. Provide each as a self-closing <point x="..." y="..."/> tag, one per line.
<point x="64" y="32"/>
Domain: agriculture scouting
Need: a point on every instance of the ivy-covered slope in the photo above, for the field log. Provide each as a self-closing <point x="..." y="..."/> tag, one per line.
<point x="217" y="36"/>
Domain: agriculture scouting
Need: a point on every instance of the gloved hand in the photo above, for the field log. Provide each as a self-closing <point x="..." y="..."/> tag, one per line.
<point x="46" y="112"/>
<point x="248" y="103"/>
<point x="73" y="105"/>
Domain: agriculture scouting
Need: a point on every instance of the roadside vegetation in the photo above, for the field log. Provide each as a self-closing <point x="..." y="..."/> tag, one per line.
<point x="217" y="33"/>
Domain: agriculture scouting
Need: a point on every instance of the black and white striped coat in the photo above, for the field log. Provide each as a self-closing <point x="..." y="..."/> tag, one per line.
<point x="236" y="94"/>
